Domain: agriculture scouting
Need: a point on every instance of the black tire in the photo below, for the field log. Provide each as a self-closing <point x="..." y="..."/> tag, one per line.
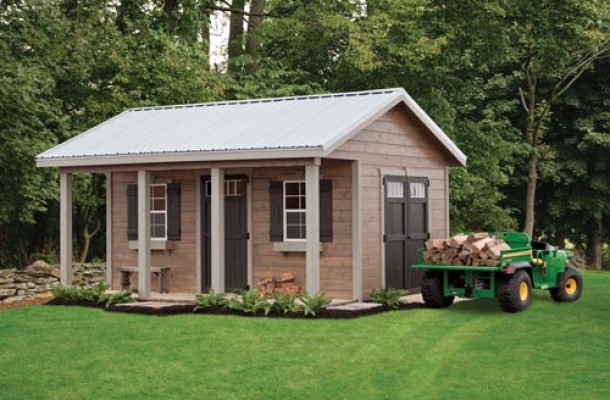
<point x="432" y="290"/>
<point x="515" y="291"/>
<point x="569" y="286"/>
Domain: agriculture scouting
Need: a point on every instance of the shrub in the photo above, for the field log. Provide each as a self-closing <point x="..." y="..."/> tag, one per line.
<point x="388" y="296"/>
<point x="310" y="305"/>
<point x="284" y="303"/>
<point x="251" y="302"/>
<point x="211" y="300"/>
<point x="95" y="294"/>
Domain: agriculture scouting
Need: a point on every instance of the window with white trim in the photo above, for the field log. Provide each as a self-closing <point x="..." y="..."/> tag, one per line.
<point x="158" y="211"/>
<point x="294" y="210"/>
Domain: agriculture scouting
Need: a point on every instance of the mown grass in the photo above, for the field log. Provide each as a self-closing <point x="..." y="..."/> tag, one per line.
<point x="469" y="351"/>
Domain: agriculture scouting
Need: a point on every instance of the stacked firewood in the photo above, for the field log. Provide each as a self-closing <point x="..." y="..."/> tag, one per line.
<point x="477" y="249"/>
<point x="283" y="283"/>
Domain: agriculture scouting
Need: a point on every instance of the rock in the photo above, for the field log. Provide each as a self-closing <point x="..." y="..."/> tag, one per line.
<point x="21" y="292"/>
<point x="42" y="288"/>
<point x="45" y="280"/>
<point x="13" y="299"/>
<point x="7" y="273"/>
<point x="56" y="273"/>
<point x="4" y="293"/>
<point x="6" y="280"/>
<point x="40" y="265"/>
<point x="20" y="286"/>
<point x="8" y="286"/>
<point x="31" y="285"/>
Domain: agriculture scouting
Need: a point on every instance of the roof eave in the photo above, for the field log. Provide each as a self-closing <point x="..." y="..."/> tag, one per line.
<point x="177" y="157"/>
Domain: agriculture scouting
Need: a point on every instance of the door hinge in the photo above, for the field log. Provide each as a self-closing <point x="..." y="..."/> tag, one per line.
<point x="247" y="235"/>
<point x="385" y="238"/>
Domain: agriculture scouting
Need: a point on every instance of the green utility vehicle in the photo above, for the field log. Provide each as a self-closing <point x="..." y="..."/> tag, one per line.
<point x="525" y="266"/>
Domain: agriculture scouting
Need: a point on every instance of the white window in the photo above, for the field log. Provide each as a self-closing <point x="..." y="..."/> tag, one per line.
<point x="395" y="190"/>
<point x="418" y="190"/>
<point x="294" y="210"/>
<point x="158" y="211"/>
<point x="233" y="188"/>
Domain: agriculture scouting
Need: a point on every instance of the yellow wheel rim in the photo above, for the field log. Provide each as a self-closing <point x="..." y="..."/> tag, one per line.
<point x="523" y="291"/>
<point x="571" y="286"/>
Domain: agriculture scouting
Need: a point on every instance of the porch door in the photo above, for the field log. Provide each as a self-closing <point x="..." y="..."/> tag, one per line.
<point x="236" y="233"/>
<point x="406" y="229"/>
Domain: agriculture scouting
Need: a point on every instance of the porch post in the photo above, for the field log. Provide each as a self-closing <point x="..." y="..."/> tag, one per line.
<point x="65" y="227"/>
<point x="143" y="234"/>
<point x="312" y="230"/>
<point x="356" y="232"/>
<point x="217" y="225"/>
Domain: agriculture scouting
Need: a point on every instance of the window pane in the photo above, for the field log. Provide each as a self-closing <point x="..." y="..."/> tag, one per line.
<point x="292" y="203"/>
<point x="157" y="219"/>
<point x="303" y="234"/>
<point x="302" y="188"/>
<point x="292" y="188"/>
<point x="395" y="190"/>
<point x="293" y="218"/>
<point x="293" y="232"/>
<point x="303" y="205"/>
<point x="418" y="190"/>
<point x="208" y="188"/>
<point x="157" y="231"/>
<point x="158" y="205"/>
<point x="157" y="191"/>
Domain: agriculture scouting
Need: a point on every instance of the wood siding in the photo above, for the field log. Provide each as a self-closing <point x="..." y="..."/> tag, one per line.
<point x="396" y="140"/>
<point x="336" y="256"/>
<point x="182" y="258"/>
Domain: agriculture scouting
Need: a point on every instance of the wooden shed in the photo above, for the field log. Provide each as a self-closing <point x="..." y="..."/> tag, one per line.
<point x="338" y="189"/>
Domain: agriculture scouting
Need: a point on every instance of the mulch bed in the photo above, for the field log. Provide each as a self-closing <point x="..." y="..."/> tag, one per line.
<point x="179" y="309"/>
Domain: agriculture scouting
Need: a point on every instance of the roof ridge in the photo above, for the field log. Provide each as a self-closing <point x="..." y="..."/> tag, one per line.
<point x="270" y="99"/>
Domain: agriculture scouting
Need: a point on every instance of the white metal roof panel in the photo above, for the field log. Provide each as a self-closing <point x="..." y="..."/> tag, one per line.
<point x="315" y="124"/>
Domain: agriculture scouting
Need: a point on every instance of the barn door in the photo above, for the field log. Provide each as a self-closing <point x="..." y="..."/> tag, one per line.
<point x="406" y="229"/>
<point x="236" y="233"/>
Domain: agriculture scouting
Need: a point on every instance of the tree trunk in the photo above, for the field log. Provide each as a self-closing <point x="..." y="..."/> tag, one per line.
<point x="530" y="194"/>
<point x="236" y="34"/>
<point x="257" y="7"/>
<point x="596" y="243"/>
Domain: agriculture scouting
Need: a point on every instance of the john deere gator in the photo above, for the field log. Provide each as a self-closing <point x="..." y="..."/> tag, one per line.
<point x="527" y="265"/>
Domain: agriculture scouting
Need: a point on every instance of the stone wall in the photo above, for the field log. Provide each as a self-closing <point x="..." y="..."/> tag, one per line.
<point x="38" y="278"/>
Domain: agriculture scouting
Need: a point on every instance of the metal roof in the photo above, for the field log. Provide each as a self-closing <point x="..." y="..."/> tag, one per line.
<point x="301" y="126"/>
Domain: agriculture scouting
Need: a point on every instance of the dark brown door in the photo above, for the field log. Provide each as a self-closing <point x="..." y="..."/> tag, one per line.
<point x="406" y="229"/>
<point x="236" y="233"/>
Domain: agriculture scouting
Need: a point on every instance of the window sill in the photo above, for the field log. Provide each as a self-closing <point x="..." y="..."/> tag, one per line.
<point x="291" y="247"/>
<point x="154" y="245"/>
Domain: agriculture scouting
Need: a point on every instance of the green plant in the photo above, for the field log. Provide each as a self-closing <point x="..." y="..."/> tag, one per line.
<point x="110" y="299"/>
<point x="211" y="300"/>
<point x="310" y="305"/>
<point x="284" y="303"/>
<point x="250" y="302"/>
<point x="388" y="296"/>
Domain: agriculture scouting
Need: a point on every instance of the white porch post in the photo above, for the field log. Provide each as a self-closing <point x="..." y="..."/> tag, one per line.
<point x="356" y="232"/>
<point x="312" y="231"/>
<point x="143" y="234"/>
<point x="65" y="227"/>
<point x="217" y="225"/>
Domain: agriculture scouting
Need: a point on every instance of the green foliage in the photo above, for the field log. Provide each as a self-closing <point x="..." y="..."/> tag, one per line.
<point x="284" y="303"/>
<point x="93" y="294"/>
<point x="388" y="296"/>
<point x="249" y="302"/>
<point x="211" y="300"/>
<point x="310" y="305"/>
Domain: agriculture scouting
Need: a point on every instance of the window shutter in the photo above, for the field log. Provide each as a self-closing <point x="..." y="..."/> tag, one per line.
<point x="326" y="210"/>
<point x="132" y="211"/>
<point x="276" y="211"/>
<point x="173" y="211"/>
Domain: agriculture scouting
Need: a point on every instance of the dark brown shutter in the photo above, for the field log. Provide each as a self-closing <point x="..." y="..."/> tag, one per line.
<point x="173" y="211"/>
<point x="276" y="211"/>
<point x="132" y="211"/>
<point x="326" y="210"/>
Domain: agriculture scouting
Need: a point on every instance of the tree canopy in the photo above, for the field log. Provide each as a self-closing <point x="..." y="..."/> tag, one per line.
<point x="520" y="86"/>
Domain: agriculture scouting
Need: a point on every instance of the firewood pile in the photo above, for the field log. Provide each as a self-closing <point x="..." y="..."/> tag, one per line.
<point x="477" y="249"/>
<point x="283" y="283"/>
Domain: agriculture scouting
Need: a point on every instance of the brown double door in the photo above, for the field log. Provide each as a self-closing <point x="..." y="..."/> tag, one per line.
<point x="236" y="233"/>
<point x="406" y="229"/>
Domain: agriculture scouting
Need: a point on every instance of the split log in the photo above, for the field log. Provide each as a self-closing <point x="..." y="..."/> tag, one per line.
<point x="494" y="252"/>
<point x="458" y="240"/>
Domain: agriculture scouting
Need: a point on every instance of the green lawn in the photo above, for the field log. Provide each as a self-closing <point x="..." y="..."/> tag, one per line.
<point x="469" y="351"/>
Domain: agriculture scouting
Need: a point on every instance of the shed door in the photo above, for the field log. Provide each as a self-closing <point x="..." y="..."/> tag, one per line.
<point x="236" y="233"/>
<point x="406" y="229"/>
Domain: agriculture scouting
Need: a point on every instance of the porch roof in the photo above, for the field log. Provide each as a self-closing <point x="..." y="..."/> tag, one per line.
<point x="286" y="127"/>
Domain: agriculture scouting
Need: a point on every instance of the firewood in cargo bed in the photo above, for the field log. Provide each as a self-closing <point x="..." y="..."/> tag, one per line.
<point x="477" y="249"/>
